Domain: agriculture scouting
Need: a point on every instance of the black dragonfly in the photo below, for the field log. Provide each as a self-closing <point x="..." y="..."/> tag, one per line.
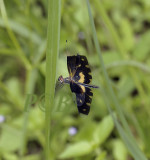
<point x="79" y="79"/>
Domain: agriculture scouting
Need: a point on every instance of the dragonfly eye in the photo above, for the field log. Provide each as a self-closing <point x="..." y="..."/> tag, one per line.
<point x="61" y="79"/>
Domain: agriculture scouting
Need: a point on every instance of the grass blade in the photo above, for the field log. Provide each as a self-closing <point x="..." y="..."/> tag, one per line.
<point x="13" y="37"/>
<point x="53" y="36"/>
<point x="123" y="52"/>
<point x="133" y="148"/>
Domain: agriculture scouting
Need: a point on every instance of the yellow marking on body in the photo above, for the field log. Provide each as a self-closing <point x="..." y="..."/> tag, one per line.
<point x="73" y="73"/>
<point x="80" y="100"/>
<point x="81" y="80"/>
<point x="83" y="88"/>
<point x="87" y="66"/>
<point x="79" y="65"/>
<point x="82" y="59"/>
<point x="88" y="104"/>
<point x="70" y="72"/>
<point x="84" y="109"/>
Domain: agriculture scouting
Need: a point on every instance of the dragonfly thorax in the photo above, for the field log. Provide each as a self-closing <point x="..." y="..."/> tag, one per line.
<point x="67" y="79"/>
<point x="64" y="80"/>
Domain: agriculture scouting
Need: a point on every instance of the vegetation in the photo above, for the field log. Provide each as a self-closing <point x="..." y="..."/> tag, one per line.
<point x="114" y="35"/>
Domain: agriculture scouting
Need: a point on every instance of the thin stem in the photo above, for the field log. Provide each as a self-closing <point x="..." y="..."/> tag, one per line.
<point x="133" y="148"/>
<point x="122" y="50"/>
<point x="13" y="37"/>
<point x="53" y="36"/>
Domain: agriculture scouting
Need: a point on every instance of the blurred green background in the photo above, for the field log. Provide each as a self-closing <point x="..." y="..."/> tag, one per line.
<point x="124" y="36"/>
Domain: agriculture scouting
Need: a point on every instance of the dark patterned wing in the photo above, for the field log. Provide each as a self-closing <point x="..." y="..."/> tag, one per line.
<point x="84" y="101"/>
<point x="71" y="64"/>
<point x="78" y="69"/>
<point x="76" y="88"/>
<point x="80" y="98"/>
<point x="83" y="97"/>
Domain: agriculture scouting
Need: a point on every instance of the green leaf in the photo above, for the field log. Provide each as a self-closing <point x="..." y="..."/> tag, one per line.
<point x="78" y="149"/>
<point x="10" y="139"/>
<point x="142" y="48"/>
<point x="103" y="130"/>
<point x="8" y="156"/>
<point x="119" y="150"/>
<point x="89" y="129"/>
<point x="127" y="34"/>
<point x="101" y="156"/>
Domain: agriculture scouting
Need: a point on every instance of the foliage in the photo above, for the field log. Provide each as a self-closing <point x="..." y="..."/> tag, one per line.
<point x="122" y="29"/>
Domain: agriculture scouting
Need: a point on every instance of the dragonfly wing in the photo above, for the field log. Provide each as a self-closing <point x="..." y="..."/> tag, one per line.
<point x="83" y="71"/>
<point x="72" y="65"/>
<point x="78" y="69"/>
<point x="83" y="97"/>
<point x="84" y="101"/>
<point x="80" y="72"/>
<point x="58" y="86"/>
<point x="76" y="88"/>
<point x="80" y="98"/>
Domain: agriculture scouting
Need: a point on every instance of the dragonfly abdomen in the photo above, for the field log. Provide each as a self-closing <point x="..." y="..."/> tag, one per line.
<point x="87" y="85"/>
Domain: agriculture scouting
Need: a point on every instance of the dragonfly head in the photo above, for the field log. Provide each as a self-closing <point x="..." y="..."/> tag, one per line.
<point x="61" y="79"/>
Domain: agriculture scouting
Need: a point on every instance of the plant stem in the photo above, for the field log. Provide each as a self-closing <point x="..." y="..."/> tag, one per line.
<point x="53" y="36"/>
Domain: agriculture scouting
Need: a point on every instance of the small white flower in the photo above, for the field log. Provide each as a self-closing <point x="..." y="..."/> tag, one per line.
<point x="72" y="131"/>
<point x="2" y="118"/>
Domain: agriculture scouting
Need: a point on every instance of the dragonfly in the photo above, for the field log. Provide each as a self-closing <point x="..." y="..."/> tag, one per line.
<point x="79" y="79"/>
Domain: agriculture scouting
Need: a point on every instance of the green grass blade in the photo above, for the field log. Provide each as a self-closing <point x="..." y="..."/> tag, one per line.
<point x="135" y="151"/>
<point x="133" y="148"/>
<point x="30" y="86"/>
<point x="122" y="51"/>
<point x="130" y="63"/>
<point x="110" y="90"/>
<point x="13" y="37"/>
<point x="53" y="36"/>
<point x="22" y="31"/>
